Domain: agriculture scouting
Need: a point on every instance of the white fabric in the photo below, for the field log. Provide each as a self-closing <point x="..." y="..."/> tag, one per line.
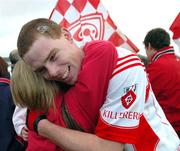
<point x="126" y="116"/>
<point x="89" y="20"/>
<point x="19" y="119"/>
<point x="177" y="42"/>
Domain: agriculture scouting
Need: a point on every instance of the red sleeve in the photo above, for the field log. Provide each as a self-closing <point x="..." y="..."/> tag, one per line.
<point x="87" y="96"/>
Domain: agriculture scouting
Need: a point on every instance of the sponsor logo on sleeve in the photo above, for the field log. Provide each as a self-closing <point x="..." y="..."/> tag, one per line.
<point x="109" y="114"/>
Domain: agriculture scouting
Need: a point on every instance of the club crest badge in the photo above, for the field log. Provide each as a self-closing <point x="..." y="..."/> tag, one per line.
<point x="129" y="97"/>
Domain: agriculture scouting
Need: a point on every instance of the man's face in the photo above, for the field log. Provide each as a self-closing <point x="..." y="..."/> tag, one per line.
<point x="56" y="59"/>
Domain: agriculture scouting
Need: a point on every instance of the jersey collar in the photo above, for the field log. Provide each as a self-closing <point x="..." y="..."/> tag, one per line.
<point x="161" y="52"/>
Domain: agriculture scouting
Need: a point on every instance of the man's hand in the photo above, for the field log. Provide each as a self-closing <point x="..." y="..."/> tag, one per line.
<point x="33" y="118"/>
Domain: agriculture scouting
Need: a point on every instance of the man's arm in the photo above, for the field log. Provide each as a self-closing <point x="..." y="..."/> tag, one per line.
<point x="74" y="140"/>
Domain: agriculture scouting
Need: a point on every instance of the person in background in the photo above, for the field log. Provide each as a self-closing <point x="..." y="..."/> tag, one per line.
<point x="19" y="116"/>
<point x="13" y="57"/>
<point x="126" y="113"/>
<point x="164" y="74"/>
<point x="8" y="141"/>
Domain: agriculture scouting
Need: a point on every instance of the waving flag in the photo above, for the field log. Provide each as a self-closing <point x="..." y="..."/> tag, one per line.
<point x="175" y="28"/>
<point x="88" y="20"/>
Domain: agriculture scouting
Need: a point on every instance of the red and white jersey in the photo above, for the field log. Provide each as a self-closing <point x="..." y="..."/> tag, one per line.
<point x="131" y="113"/>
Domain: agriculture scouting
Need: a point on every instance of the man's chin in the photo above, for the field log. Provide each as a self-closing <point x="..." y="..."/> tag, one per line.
<point x="69" y="82"/>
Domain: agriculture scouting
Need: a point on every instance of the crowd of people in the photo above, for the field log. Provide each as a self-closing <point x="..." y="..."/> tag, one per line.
<point x="63" y="97"/>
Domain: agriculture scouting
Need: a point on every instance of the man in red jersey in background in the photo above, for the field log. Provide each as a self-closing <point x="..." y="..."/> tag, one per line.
<point x="164" y="74"/>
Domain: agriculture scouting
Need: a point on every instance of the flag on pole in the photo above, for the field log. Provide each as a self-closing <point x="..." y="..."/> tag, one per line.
<point x="88" y="20"/>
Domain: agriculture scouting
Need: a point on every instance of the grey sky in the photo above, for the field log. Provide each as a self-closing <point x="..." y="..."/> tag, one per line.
<point x="133" y="17"/>
<point x="15" y="13"/>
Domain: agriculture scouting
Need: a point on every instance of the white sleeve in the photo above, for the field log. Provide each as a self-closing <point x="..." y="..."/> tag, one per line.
<point x="126" y="98"/>
<point x="19" y="119"/>
<point x="120" y="114"/>
<point x="131" y="113"/>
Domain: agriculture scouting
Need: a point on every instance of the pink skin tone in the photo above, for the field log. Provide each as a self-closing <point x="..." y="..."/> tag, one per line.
<point x="24" y="133"/>
<point x="56" y="59"/>
<point x="150" y="51"/>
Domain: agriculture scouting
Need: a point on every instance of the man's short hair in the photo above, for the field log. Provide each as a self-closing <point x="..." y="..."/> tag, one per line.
<point x="157" y="38"/>
<point x="34" y="28"/>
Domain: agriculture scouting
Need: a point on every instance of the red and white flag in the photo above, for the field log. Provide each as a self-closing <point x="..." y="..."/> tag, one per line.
<point x="88" y="20"/>
<point x="175" y="28"/>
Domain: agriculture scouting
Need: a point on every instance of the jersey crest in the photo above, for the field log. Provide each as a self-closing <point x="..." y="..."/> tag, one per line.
<point x="129" y="97"/>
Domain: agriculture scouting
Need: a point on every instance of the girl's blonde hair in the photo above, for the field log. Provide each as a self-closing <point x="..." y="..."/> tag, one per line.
<point x="31" y="90"/>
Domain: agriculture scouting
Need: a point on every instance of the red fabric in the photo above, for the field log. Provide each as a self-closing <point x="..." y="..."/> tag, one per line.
<point x="175" y="27"/>
<point x="89" y="20"/>
<point x="164" y="76"/>
<point x="36" y="142"/>
<point x="4" y="80"/>
<point x="84" y="100"/>
<point x="119" y="134"/>
<point x="31" y="117"/>
<point x="87" y="96"/>
<point x="137" y="135"/>
<point x="146" y="136"/>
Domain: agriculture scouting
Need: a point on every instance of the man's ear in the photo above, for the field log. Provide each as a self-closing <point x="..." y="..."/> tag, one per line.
<point x="67" y="34"/>
<point x="149" y="45"/>
<point x="151" y="48"/>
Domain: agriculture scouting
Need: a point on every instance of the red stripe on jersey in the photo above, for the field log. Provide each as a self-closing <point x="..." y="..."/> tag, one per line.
<point x="127" y="61"/>
<point x="141" y="137"/>
<point x="115" y="133"/>
<point x="126" y="67"/>
<point x="122" y="58"/>
<point x="148" y="140"/>
<point x="4" y="80"/>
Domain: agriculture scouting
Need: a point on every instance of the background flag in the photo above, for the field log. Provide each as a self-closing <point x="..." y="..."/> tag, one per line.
<point x="88" y="20"/>
<point x="175" y="28"/>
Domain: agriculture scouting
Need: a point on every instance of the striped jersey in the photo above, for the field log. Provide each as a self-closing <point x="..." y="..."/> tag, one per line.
<point x="131" y="113"/>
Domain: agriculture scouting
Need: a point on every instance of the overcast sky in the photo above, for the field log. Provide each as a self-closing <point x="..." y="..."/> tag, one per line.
<point x="133" y="17"/>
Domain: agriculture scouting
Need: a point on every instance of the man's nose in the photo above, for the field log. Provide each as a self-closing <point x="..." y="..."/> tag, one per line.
<point x="52" y="70"/>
